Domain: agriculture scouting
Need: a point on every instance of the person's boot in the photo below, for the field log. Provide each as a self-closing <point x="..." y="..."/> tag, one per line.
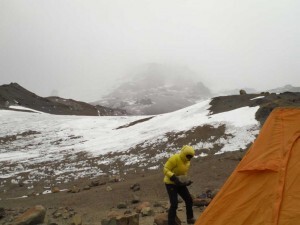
<point x="191" y="221"/>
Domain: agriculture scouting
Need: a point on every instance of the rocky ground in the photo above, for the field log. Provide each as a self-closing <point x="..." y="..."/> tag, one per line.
<point x="97" y="198"/>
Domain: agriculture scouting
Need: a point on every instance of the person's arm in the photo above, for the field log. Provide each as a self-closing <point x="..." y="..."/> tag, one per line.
<point x="169" y="166"/>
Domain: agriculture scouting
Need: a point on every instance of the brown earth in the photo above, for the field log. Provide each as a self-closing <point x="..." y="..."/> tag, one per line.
<point x="93" y="205"/>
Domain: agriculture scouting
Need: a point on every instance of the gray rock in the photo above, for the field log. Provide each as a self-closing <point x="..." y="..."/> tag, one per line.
<point x="87" y="187"/>
<point x="201" y="202"/>
<point x="94" y="183"/>
<point x="135" y="187"/>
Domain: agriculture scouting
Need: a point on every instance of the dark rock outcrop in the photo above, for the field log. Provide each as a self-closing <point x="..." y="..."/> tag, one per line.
<point x="15" y="95"/>
<point x="266" y="102"/>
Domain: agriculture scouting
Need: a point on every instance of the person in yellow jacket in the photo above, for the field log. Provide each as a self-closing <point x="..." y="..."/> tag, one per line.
<point x="177" y="166"/>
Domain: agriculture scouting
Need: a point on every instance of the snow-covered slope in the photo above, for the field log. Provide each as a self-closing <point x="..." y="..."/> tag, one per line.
<point x="35" y="146"/>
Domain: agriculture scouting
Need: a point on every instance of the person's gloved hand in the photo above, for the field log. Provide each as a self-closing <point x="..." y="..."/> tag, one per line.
<point x="189" y="183"/>
<point x="175" y="179"/>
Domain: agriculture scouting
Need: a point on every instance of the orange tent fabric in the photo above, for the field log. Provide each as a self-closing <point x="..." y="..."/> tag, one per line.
<point x="264" y="189"/>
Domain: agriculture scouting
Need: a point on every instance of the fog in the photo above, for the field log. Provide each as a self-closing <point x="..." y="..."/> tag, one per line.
<point x="83" y="49"/>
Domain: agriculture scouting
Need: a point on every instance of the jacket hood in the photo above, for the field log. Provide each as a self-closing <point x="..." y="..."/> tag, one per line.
<point x="186" y="150"/>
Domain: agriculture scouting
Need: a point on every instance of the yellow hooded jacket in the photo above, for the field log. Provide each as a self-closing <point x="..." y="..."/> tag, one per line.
<point x="178" y="164"/>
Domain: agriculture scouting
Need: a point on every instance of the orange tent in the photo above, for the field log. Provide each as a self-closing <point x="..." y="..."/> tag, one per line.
<point x="264" y="189"/>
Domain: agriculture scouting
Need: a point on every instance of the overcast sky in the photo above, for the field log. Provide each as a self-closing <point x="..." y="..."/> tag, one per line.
<point x="81" y="48"/>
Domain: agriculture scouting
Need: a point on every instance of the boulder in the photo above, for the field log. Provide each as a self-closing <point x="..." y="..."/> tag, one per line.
<point x="74" y="189"/>
<point x="122" y="220"/>
<point x="114" y="178"/>
<point x="214" y="193"/>
<point x="135" y="187"/>
<point x="157" y="204"/>
<point x="32" y="194"/>
<point x="32" y="216"/>
<point x="87" y="187"/>
<point x="127" y="212"/>
<point x="147" y="211"/>
<point x="136" y="199"/>
<point x="109" y="188"/>
<point x="122" y="205"/>
<point x="243" y="92"/>
<point x="55" y="190"/>
<point x="142" y="205"/>
<point x="162" y="219"/>
<point x="201" y="202"/>
<point x="114" y="214"/>
<point x="94" y="183"/>
<point x="76" y="220"/>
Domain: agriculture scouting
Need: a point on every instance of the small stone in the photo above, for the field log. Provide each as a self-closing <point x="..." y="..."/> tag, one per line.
<point x="86" y="188"/>
<point x="122" y="205"/>
<point x="113" y="214"/>
<point x="2" y="212"/>
<point x="76" y="220"/>
<point x="147" y="211"/>
<point x="135" y="199"/>
<point x="57" y="215"/>
<point x="142" y="205"/>
<point x="55" y="190"/>
<point x="135" y="187"/>
<point x="127" y="212"/>
<point x="94" y="183"/>
<point x="157" y="204"/>
<point x="109" y="188"/>
<point x="74" y="189"/>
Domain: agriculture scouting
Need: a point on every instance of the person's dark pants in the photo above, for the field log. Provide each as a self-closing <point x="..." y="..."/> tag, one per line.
<point x="173" y="192"/>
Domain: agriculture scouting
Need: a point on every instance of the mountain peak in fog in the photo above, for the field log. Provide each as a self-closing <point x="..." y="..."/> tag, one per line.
<point x="157" y="88"/>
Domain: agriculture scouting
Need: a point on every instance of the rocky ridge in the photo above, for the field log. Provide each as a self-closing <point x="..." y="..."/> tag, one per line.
<point x="15" y="95"/>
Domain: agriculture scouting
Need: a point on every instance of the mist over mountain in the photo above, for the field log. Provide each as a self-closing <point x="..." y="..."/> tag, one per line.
<point x="155" y="89"/>
<point x="249" y="90"/>
<point x="285" y="88"/>
<point x="236" y="91"/>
